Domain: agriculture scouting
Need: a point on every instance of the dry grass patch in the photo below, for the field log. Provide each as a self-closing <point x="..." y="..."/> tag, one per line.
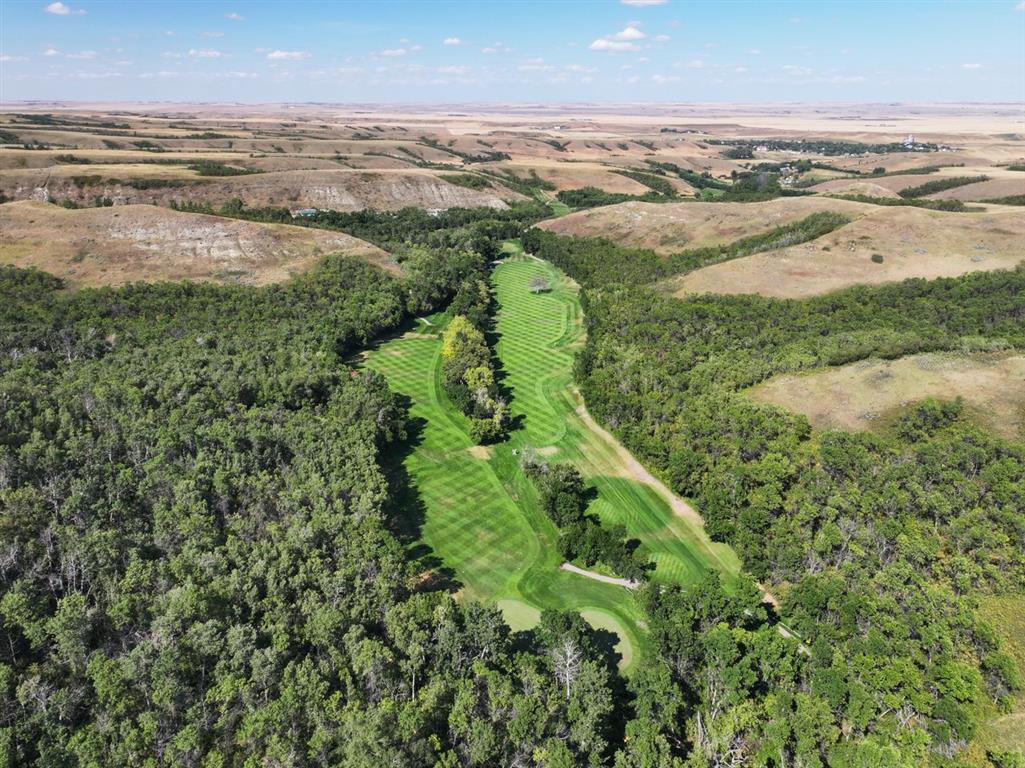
<point x="852" y="187"/>
<point x="1005" y="186"/>
<point x="673" y="227"/>
<point x="112" y="246"/>
<point x="912" y="243"/>
<point x="868" y="394"/>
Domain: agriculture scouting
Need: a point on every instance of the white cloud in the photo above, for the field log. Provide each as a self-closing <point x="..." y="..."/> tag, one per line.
<point x="204" y="53"/>
<point x="164" y="73"/>
<point x="288" y="55"/>
<point x="580" y="68"/>
<point x="82" y="55"/>
<point x="1020" y="6"/>
<point x="643" y="3"/>
<point x="393" y="53"/>
<point x="212" y="34"/>
<point x="6" y="57"/>
<point x="624" y="40"/>
<point x="451" y="41"/>
<point x="602" y="44"/>
<point x="59" y="9"/>
<point x="534" y="65"/>
<point x="51" y="52"/>
<point x="971" y="66"/>
<point x="661" y="39"/>
<point x="661" y="79"/>
<point x="234" y="17"/>
<point x="171" y="55"/>
<point x="754" y="52"/>
<point x="797" y="71"/>
<point x="695" y="64"/>
<point x="95" y="75"/>
<point x="630" y="33"/>
<point x="453" y="70"/>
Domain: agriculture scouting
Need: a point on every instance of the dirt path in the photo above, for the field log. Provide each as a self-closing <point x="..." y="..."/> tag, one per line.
<point x="628" y="583"/>
<point x="636" y="471"/>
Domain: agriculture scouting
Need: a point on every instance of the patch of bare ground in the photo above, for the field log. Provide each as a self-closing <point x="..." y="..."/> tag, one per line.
<point x="633" y="469"/>
<point x="113" y="246"/>
<point x="673" y="227"/>
<point x="867" y="394"/>
<point x="911" y="242"/>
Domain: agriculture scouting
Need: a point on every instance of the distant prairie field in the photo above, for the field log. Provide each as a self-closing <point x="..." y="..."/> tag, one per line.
<point x="884" y="245"/>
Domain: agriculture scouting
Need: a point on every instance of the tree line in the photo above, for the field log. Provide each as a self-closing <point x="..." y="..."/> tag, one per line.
<point x="595" y="260"/>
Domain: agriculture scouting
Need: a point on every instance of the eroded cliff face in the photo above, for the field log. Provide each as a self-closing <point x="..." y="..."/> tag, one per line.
<point x="120" y="244"/>
<point x="333" y="189"/>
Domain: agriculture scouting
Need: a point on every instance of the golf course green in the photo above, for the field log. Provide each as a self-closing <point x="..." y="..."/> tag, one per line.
<point x="476" y="511"/>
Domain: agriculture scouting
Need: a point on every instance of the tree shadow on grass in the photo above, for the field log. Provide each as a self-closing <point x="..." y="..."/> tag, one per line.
<point x="406" y="511"/>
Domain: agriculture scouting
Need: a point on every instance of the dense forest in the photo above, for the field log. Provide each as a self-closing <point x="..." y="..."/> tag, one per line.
<point x="476" y="229"/>
<point x="879" y="543"/>
<point x="200" y="562"/>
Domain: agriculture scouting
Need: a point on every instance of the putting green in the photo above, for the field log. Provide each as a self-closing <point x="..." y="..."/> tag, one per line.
<point x="476" y="512"/>
<point x="601" y="620"/>
<point x="518" y="615"/>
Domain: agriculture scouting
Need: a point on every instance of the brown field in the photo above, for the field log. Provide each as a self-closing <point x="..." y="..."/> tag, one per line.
<point x="854" y="187"/>
<point x="573" y="146"/>
<point x="985" y="190"/>
<point x="112" y="246"/>
<point x="585" y="174"/>
<point x="385" y="157"/>
<point x="867" y="394"/>
<point x="1002" y="182"/>
<point x="912" y="241"/>
<point x="673" y="227"/>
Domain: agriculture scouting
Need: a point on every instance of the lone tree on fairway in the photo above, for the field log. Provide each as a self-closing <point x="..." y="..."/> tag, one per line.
<point x="539" y="285"/>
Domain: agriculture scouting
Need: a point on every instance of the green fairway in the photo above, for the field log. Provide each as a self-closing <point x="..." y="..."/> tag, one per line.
<point x="477" y="512"/>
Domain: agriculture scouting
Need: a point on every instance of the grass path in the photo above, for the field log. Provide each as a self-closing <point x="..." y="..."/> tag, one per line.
<point x="473" y="509"/>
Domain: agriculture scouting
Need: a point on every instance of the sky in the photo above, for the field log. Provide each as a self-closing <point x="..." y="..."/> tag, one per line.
<point x="513" y="51"/>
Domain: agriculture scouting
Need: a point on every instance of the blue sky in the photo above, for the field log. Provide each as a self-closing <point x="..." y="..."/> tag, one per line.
<point x="513" y="51"/>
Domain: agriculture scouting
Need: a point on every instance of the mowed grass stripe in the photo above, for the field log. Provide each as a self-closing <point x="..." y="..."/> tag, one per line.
<point x="538" y="335"/>
<point x="481" y="516"/>
<point x="469" y="521"/>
